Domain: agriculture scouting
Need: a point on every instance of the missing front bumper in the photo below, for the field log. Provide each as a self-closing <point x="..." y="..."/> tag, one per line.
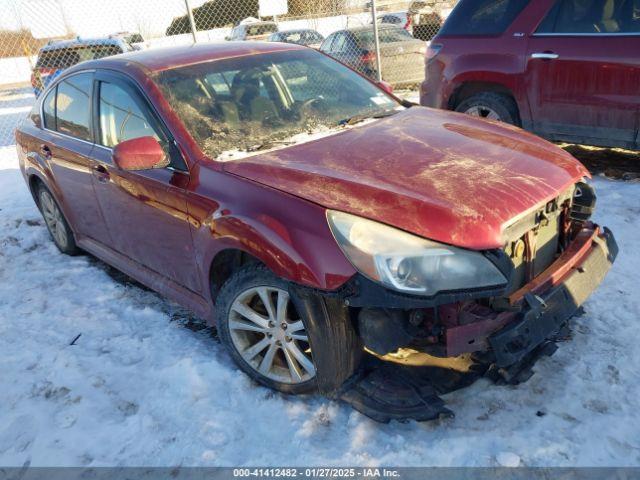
<point x="545" y="313"/>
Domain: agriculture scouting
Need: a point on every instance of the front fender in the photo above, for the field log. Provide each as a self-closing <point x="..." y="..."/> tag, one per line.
<point x="289" y="235"/>
<point x="506" y="72"/>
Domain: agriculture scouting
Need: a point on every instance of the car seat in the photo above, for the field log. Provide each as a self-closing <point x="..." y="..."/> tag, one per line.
<point x="252" y="106"/>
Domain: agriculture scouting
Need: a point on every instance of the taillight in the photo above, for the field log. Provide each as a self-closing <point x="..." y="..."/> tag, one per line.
<point x="34" y="81"/>
<point x="432" y="51"/>
<point x="368" y="57"/>
<point x="407" y="25"/>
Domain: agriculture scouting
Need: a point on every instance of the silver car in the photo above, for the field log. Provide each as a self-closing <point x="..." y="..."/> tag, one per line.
<point x="401" y="55"/>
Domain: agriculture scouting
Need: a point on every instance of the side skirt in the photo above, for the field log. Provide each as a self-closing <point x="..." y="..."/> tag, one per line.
<point x="149" y="278"/>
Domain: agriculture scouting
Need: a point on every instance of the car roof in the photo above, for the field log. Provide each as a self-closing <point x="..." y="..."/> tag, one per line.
<point x="250" y="24"/>
<point x="165" y="58"/>
<point x="81" y="42"/>
<point x="296" y="30"/>
<point x="370" y="27"/>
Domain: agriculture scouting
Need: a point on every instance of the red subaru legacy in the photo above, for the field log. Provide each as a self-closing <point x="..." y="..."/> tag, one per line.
<point x="311" y="215"/>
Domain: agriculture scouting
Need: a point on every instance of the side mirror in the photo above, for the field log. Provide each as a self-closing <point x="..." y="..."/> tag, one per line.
<point x="386" y="86"/>
<point x="142" y="153"/>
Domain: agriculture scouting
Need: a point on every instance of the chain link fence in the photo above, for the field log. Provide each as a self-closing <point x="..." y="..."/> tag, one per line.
<point x="39" y="39"/>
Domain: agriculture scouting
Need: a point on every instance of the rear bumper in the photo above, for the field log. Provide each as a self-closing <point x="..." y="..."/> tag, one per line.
<point x="545" y="311"/>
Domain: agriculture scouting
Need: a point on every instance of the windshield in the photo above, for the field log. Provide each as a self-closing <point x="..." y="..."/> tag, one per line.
<point x="254" y="102"/>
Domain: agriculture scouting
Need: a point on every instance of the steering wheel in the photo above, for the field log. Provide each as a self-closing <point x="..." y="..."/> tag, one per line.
<point x="317" y="103"/>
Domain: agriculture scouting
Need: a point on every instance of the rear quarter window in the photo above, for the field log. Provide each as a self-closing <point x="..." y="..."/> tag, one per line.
<point x="482" y="17"/>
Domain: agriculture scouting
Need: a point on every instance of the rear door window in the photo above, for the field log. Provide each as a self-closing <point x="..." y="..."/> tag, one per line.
<point x="482" y="17"/>
<point x="339" y="43"/>
<point x="73" y="106"/>
<point x="592" y="17"/>
<point x="327" y="45"/>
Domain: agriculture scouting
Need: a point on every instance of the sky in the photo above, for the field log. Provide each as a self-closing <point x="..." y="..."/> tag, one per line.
<point x="50" y="18"/>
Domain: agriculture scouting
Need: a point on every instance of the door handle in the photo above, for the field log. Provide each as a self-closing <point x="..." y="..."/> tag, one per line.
<point x="46" y="151"/>
<point x="102" y="174"/>
<point x="545" y="55"/>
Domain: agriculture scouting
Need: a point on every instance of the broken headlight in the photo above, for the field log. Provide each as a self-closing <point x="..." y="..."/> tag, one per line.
<point x="408" y="263"/>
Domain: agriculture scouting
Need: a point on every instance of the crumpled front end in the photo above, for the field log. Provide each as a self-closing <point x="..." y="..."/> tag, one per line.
<point x="554" y="257"/>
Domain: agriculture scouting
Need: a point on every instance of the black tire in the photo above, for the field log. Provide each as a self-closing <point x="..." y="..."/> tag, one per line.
<point x="505" y="107"/>
<point x="335" y="347"/>
<point x="63" y="239"/>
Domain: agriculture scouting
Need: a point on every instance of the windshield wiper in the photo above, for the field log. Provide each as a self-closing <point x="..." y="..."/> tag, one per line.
<point x="365" y="116"/>
<point x="268" y="144"/>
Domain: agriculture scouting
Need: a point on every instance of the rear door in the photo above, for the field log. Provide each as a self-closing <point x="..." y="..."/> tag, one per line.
<point x="583" y="72"/>
<point x="146" y="211"/>
<point x="67" y="145"/>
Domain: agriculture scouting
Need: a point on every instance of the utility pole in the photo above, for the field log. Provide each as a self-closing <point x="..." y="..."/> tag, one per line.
<point x="374" y="14"/>
<point x="192" y="22"/>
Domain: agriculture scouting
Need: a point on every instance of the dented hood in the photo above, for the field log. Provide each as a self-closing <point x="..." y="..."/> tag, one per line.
<point x="441" y="175"/>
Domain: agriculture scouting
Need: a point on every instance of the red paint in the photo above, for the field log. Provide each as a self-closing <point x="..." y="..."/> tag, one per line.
<point x="142" y="153"/>
<point x="445" y="176"/>
<point x="473" y="337"/>
<point x="588" y="94"/>
<point x="386" y="86"/>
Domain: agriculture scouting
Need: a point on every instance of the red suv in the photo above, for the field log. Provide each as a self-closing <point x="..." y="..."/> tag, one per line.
<point x="567" y="70"/>
<point x="307" y="213"/>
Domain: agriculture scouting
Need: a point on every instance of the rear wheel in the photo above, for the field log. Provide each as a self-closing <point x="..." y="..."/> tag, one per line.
<point x="56" y="223"/>
<point x="492" y="106"/>
<point x="269" y="337"/>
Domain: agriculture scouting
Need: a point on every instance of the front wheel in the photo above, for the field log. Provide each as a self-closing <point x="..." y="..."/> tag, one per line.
<point x="272" y="339"/>
<point x="492" y="106"/>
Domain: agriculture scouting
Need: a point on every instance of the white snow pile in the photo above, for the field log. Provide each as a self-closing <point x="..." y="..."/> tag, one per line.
<point x="140" y="388"/>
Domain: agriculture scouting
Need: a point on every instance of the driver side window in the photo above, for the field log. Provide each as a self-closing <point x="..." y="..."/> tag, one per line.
<point x="120" y="117"/>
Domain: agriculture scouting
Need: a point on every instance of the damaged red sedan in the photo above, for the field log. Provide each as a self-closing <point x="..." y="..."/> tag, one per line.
<point x="315" y="219"/>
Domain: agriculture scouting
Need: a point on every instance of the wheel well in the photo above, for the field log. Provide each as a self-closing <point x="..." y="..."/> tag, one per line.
<point x="469" y="89"/>
<point x="34" y="183"/>
<point x="224" y="264"/>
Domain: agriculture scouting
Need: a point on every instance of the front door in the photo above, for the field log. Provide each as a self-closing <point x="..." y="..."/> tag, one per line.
<point x="146" y="211"/>
<point x="583" y="72"/>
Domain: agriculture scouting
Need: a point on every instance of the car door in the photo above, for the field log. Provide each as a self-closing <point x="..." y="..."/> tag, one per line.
<point x="583" y="72"/>
<point x="66" y="145"/>
<point x="146" y="210"/>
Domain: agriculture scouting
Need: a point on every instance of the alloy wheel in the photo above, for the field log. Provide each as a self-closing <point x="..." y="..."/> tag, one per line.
<point x="483" y="111"/>
<point x="270" y="336"/>
<point x="54" y="219"/>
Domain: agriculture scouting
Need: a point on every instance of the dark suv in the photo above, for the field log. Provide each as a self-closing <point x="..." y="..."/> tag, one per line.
<point x="567" y="70"/>
<point x="57" y="56"/>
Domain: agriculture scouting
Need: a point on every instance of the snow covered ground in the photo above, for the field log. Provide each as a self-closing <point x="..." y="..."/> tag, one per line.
<point x="143" y="386"/>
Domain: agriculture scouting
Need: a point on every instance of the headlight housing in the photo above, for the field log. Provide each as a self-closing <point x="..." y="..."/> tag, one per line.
<point x="408" y="263"/>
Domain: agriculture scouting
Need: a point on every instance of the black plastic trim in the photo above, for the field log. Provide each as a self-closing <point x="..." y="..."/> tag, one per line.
<point x="362" y="292"/>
